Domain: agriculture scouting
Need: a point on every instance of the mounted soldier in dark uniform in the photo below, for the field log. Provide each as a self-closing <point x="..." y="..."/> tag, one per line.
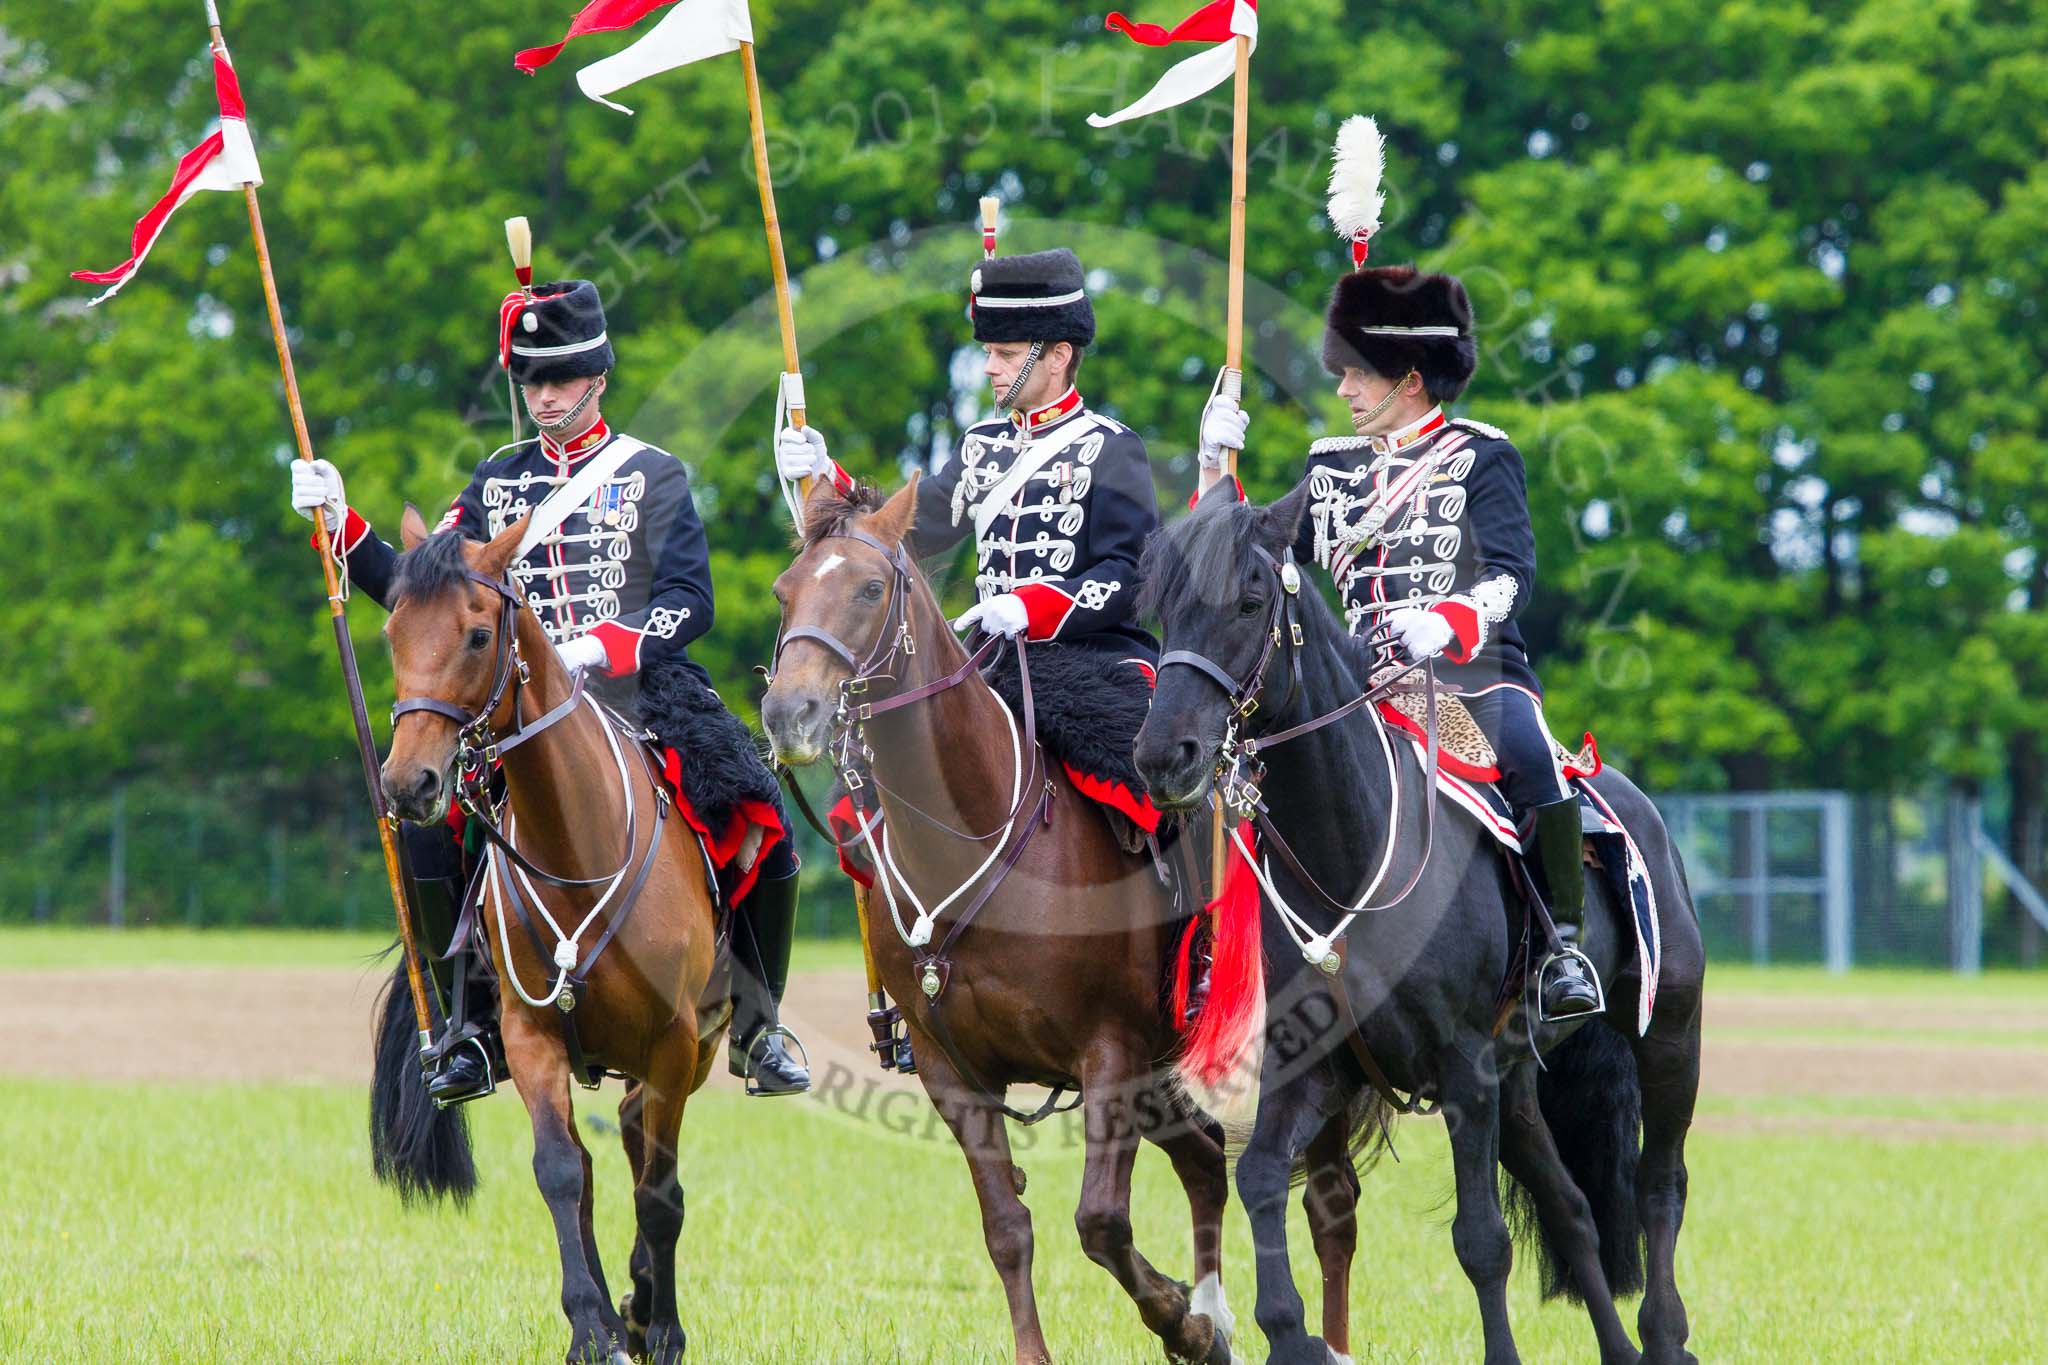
<point x="616" y="565"/>
<point x="1422" y="522"/>
<point x="1058" y="497"/>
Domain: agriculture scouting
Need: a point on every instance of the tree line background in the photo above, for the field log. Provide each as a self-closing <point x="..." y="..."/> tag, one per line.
<point x="1758" y="288"/>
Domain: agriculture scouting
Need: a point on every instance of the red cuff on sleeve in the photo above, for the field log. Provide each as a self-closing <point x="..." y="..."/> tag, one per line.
<point x="1196" y="496"/>
<point x="842" y="480"/>
<point x="1464" y="620"/>
<point x="621" y="647"/>
<point x="1046" y="607"/>
<point x="353" y="529"/>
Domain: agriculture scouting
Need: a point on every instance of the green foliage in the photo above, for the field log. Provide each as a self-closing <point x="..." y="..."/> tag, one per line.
<point x="1758" y="286"/>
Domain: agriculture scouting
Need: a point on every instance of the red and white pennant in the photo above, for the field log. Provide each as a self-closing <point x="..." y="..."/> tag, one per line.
<point x="226" y="160"/>
<point x="1221" y="23"/>
<point x="692" y="31"/>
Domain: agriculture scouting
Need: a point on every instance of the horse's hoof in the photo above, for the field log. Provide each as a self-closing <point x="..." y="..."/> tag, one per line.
<point x="1309" y="1351"/>
<point x="667" y="1347"/>
<point x="1198" y="1343"/>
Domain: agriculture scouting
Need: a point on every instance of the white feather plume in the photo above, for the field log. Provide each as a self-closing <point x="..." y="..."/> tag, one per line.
<point x="1355" y="169"/>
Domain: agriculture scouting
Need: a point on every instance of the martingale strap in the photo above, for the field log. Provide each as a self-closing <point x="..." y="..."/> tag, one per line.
<point x="576" y="981"/>
<point x="480" y="749"/>
<point x="934" y="968"/>
<point x="1282" y="634"/>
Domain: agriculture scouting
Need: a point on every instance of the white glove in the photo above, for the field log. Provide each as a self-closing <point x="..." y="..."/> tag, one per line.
<point x="585" y="652"/>
<point x="800" y="454"/>
<point x="1223" y="428"/>
<point x="1004" y="615"/>
<point x="317" y="483"/>
<point x="1423" y="634"/>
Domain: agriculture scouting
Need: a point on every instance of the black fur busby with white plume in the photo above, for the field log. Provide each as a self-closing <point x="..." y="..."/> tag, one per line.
<point x="1389" y="319"/>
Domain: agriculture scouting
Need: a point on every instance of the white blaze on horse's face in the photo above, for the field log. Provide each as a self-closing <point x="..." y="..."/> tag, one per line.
<point x="847" y="595"/>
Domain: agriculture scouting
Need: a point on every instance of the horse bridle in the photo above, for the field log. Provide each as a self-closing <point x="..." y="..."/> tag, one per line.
<point x="1282" y="632"/>
<point x="1240" y="770"/>
<point x="478" y="750"/>
<point x="478" y="747"/>
<point x="851" y="751"/>
<point x="1238" y="766"/>
<point x="893" y="640"/>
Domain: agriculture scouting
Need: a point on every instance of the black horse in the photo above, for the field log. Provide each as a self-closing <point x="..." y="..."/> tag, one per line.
<point x="1594" y="1138"/>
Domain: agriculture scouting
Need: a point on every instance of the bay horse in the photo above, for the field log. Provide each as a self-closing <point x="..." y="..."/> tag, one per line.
<point x="477" y="678"/>
<point x="1058" y="979"/>
<point x="1411" y="997"/>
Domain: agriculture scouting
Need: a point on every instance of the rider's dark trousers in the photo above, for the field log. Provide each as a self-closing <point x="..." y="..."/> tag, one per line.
<point x="1513" y="721"/>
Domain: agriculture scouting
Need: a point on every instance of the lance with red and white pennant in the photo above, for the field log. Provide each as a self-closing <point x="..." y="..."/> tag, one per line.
<point x="1231" y="27"/>
<point x="226" y="160"/>
<point x="691" y="31"/>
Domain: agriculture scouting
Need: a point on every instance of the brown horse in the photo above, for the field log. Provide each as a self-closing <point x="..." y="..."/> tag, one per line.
<point x="474" y="669"/>
<point x="1057" y="981"/>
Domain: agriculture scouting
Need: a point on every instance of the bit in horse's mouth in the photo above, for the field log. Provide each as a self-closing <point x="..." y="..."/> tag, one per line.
<point x="1183" y="801"/>
<point x="795" y="757"/>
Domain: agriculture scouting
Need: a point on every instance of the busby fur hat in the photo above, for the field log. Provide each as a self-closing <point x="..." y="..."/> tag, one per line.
<point x="1393" y="319"/>
<point x="1039" y="297"/>
<point x="1389" y="319"/>
<point x="558" y="334"/>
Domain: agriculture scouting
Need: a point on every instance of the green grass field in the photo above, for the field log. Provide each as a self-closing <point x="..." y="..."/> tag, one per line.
<point x="238" y="1223"/>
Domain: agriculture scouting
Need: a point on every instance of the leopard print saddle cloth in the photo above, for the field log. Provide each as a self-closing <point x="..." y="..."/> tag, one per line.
<point x="1458" y="733"/>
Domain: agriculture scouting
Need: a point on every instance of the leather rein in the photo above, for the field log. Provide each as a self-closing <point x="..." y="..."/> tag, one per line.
<point x="479" y="748"/>
<point x="852" y="757"/>
<point x="1240" y="771"/>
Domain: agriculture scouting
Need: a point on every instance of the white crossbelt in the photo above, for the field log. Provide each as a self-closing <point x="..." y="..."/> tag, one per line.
<point x="557" y="506"/>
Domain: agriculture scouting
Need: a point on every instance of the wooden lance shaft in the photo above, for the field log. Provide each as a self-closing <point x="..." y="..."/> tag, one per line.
<point x="387" y="834"/>
<point x="776" y="263"/>
<point x="786" y="317"/>
<point x="1233" y="342"/>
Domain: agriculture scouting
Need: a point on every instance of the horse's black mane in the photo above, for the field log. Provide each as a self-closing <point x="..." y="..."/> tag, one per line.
<point x="828" y="511"/>
<point x="1207" y="547"/>
<point x="431" y="567"/>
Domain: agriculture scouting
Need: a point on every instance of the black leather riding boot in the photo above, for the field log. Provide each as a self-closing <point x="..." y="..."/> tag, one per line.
<point x="762" y="934"/>
<point x="1566" y="985"/>
<point x="464" y="1072"/>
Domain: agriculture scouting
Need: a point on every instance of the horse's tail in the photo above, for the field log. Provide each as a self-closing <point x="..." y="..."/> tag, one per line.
<point x="417" y="1148"/>
<point x="1592" y="1103"/>
<point x="1219" y="1061"/>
